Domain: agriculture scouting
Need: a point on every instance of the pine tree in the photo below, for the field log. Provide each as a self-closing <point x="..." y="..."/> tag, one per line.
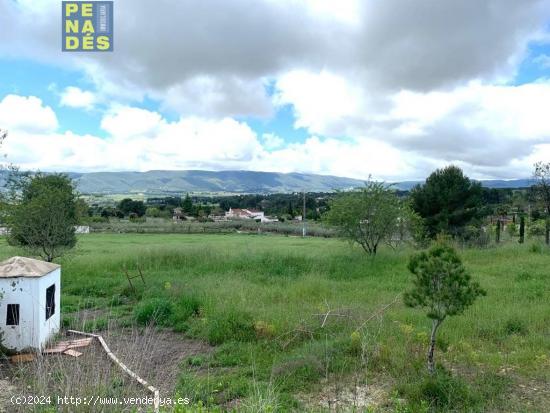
<point x="442" y="286"/>
<point x="187" y="204"/>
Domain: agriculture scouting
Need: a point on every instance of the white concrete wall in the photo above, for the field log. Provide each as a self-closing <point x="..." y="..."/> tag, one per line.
<point x="33" y="330"/>
<point x="81" y="229"/>
<point x="48" y="328"/>
<point x="20" y="291"/>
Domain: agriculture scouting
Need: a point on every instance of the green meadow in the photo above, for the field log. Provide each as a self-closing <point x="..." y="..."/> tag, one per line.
<point x="315" y="325"/>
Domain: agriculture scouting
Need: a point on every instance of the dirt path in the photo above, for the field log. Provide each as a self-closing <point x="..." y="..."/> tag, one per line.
<point x="155" y="355"/>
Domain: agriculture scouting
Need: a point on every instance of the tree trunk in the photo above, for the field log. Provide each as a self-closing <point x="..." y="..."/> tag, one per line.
<point x="431" y="363"/>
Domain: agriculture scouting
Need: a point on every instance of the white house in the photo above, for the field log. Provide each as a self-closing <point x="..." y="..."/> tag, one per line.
<point x="30" y="293"/>
<point x="259" y="216"/>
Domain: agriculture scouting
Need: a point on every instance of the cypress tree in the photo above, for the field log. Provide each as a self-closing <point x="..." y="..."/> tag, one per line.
<point x="498" y="232"/>
<point x="521" y="229"/>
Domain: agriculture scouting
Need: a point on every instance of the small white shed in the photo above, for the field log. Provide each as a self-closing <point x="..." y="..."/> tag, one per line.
<point x="30" y="293"/>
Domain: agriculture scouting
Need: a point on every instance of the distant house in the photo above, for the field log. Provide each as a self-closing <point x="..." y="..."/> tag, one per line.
<point x="179" y="215"/>
<point x="259" y="216"/>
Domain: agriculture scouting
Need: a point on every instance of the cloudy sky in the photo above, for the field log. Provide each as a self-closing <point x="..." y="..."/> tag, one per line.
<point x="392" y="89"/>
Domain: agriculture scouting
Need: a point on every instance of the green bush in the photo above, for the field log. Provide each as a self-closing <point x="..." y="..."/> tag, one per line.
<point x="442" y="392"/>
<point x="186" y="306"/>
<point x="474" y="236"/>
<point x="231" y="325"/>
<point x="536" y="248"/>
<point x="537" y="228"/>
<point x="515" y="326"/>
<point x="154" y="310"/>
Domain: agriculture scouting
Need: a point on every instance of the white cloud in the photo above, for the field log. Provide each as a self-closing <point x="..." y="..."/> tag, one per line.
<point x="272" y="141"/>
<point x="26" y="114"/>
<point x="143" y="140"/>
<point x="75" y="97"/>
<point x="228" y="48"/>
<point x="123" y="122"/>
<point x="484" y="127"/>
<point x="318" y="99"/>
<point x="390" y="88"/>
<point x="543" y="60"/>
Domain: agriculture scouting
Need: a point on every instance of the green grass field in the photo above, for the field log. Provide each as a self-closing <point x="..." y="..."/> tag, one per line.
<point x="259" y="300"/>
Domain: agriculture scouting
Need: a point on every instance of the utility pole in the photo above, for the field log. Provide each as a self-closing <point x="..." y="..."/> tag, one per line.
<point x="304" y="216"/>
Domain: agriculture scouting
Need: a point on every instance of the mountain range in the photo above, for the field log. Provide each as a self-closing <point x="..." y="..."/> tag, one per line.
<point x="176" y="182"/>
<point x="230" y="182"/>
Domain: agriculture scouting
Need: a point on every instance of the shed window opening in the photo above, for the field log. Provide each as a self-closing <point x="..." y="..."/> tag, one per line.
<point x="50" y="301"/>
<point x="12" y="317"/>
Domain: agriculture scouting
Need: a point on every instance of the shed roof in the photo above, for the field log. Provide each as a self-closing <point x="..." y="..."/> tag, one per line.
<point x="25" y="267"/>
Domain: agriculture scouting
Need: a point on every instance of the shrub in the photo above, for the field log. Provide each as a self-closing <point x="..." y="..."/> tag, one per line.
<point x="475" y="236"/>
<point x="537" y="228"/>
<point x="444" y="391"/>
<point x="157" y="310"/>
<point x="441" y="392"/>
<point x="536" y="247"/>
<point x="515" y="326"/>
<point x="186" y="306"/>
<point x="231" y="326"/>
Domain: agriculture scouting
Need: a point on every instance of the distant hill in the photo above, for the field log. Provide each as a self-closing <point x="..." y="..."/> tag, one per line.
<point x="489" y="183"/>
<point x="231" y="182"/>
<point x="170" y="182"/>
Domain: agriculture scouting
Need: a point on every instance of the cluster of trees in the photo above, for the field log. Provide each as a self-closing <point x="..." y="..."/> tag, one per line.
<point x="284" y="206"/>
<point x="190" y="206"/>
<point x="447" y="203"/>
<point x="125" y="208"/>
<point x="446" y="206"/>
